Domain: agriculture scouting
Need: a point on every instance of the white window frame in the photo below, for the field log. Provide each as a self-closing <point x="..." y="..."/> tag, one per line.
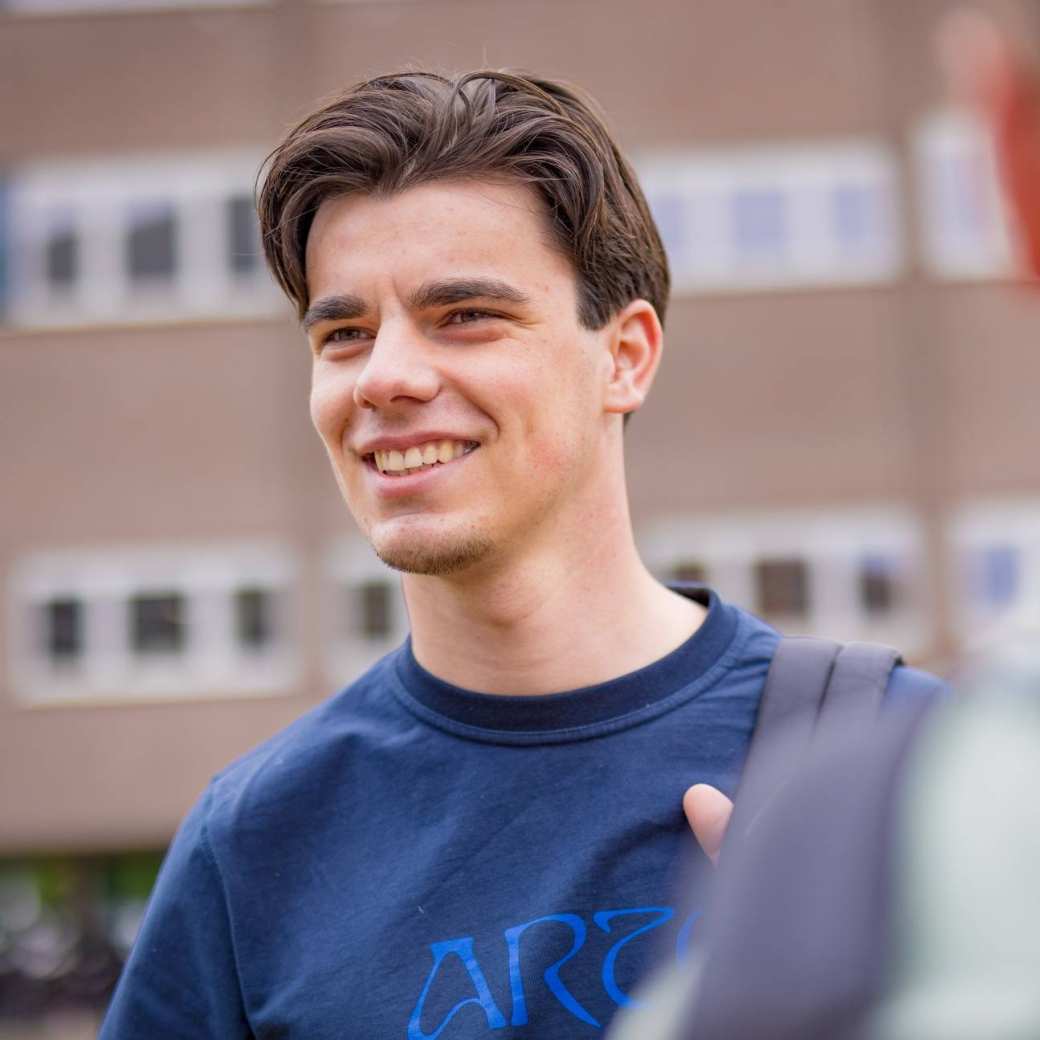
<point x="833" y="543"/>
<point x="350" y="562"/>
<point x="211" y="664"/>
<point x="975" y="527"/>
<point x="97" y="197"/>
<point x="806" y="176"/>
<point x="947" y="252"/>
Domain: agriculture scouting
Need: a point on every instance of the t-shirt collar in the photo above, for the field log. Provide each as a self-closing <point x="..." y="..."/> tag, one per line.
<point x="587" y="706"/>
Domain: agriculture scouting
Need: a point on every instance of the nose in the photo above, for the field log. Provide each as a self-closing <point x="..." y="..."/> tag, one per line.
<point x="397" y="369"/>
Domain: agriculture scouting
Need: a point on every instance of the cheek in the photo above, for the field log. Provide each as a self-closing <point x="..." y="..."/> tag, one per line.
<point x="330" y="404"/>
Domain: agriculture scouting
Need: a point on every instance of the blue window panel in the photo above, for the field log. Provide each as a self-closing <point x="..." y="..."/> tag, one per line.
<point x="961" y="183"/>
<point x="759" y="222"/>
<point x="996" y="575"/>
<point x="669" y="210"/>
<point x="856" y="216"/>
<point x="5" y="246"/>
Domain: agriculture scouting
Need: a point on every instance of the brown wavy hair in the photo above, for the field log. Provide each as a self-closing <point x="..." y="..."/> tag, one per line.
<point x="394" y="132"/>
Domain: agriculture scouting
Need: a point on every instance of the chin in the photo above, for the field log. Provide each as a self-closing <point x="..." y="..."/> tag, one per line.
<point x="418" y="553"/>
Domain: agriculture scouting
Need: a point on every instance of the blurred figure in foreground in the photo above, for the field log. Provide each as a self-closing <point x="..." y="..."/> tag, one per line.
<point x="987" y="72"/>
<point x="885" y="890"/>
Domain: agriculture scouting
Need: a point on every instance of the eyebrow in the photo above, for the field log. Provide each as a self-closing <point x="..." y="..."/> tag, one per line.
<point x="457" y="290"/>
<point x="333" y="308"/>
<point x="441" y="293"/>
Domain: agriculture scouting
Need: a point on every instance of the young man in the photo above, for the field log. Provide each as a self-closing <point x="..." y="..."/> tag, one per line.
<point x="477" y="837"/>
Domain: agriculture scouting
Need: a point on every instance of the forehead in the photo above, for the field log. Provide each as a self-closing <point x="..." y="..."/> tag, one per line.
<point x="490" y="228"/>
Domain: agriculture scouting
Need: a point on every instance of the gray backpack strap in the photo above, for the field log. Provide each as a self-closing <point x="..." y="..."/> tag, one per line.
<point x="857" y="685"/>
<point x="791" y="697"/>
<point x="795" y="687"/>
<point x="813" y="687"/>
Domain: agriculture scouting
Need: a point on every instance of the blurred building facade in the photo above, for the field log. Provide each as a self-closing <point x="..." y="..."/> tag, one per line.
<point x="842" y="436"/>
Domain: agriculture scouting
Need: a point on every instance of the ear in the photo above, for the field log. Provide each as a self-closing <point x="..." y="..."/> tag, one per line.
<point x="635" y="349"/>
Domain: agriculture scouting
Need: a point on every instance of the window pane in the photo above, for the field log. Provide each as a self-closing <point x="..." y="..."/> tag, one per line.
<point x="63" y="620"/>
<point x="243" y="235"/>
<point x="856" y="217"/>
<point x="783" y="587"/>
<point x="962" y="190"/>
<point x="692" y="571"/>
<point x="157" y="623"/>
<point x="878" y="587"/>
<point x="254" y="625"/>
<point x="5" y="244"/>
<point x="375" y="613"/>
<point x="758" y="222"/>
<point x="152" y="245"/>
<point x="996" y="576"/>
<point x="669" y="212"/>
<point x="62" y="259"/>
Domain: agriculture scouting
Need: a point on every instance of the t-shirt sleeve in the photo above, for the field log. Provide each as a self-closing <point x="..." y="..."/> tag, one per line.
<point x="180" y="980"/>
<point x="908" y="686"/>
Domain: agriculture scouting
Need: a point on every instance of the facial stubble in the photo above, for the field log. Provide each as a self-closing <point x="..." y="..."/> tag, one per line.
<point x="437" y="561"/>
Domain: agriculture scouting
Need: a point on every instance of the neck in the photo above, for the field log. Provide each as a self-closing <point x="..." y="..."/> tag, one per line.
<point x="579" y="611"/>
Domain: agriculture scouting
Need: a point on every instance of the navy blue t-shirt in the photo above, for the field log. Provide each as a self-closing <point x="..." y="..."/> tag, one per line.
<point x="412" y="861"/>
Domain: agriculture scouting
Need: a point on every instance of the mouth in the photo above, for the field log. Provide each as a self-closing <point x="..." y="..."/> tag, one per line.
<point x="419" y="457"/>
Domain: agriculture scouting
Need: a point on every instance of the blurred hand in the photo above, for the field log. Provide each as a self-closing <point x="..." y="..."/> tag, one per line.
<point x="992" y="76"/>
<point x="707" y="811"/>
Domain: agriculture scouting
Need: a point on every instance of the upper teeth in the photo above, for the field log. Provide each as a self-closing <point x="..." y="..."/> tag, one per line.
<point x="420" y="455"/>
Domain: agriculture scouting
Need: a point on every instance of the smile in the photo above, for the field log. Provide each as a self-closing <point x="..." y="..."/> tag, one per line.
<point x="419" y="456"/>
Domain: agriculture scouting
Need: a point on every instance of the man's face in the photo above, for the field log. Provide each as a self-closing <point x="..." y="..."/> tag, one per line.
<point x="459" y="399"/>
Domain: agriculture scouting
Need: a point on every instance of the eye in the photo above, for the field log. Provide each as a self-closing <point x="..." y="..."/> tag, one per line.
<point x="466" y="317"/>
<point x="344" y="335"/>
<point x="340" y="342"/>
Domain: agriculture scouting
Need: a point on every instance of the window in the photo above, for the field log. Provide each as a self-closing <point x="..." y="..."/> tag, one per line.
<point x="63" y="627"/>
<point x="878" y="588"/>
<point x="243" y="235"/>
<point x="254" y="621"/>
<point x="62" y="259"/>
<point x="960" y="183"/>
<point x="783" y="587"/>
<point x="157" y="623"/>
<point x="759" y="225"/>
<point x="151" y="244"/>
<point x="153" y="621"/>
<point x="375" y="612"/>
<point x="5" y="245"/>
<point x="846" y="573"/>
<point x="996" y="546"/>
<point x="815" y="213"/>
<point x="856" y="214"/>
<point x="965" y="230"/>
<point x="363" y="612"/>
<point x="669" y="213"/>
<point x="997" y="569"/>
<point x="137" y="238"/>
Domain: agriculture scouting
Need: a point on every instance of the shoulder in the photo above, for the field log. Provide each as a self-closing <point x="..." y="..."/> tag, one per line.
<point x="291" y="763"/>
<point x="759" y="642"/>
